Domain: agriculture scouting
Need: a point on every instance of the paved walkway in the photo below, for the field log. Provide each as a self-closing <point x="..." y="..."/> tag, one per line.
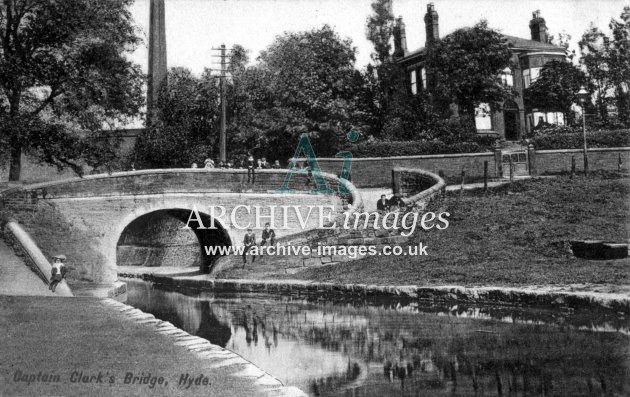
<point x="16" y="278"/>
<point x="51" y="346"/>
<point x="372" y="195"/>
<point x="106" y="343"/>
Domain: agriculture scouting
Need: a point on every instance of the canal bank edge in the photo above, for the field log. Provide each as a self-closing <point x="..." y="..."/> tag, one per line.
<point x="509" y="296"/>
<point x="203" y="349"/>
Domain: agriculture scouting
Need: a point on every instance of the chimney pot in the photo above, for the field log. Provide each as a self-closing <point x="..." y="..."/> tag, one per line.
<point x="431" y="22"/>
<point x="538" y="27"/>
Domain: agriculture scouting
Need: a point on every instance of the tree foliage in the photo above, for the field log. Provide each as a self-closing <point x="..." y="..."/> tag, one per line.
<point x="607" y="61"/>
<point x="63" y="73"/>
<point x="394" y="113"/>
<point x="465" y="67"/>
<point x="304" y="82"/>
<point x="186" y="130"/>
<point x="556" y="87"/>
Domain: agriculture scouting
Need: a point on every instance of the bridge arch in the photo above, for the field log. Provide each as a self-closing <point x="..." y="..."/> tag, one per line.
<point x="155" y="231"/>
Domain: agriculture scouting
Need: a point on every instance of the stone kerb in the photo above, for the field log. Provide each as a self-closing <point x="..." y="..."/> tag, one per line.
<point x="416" y="186"/>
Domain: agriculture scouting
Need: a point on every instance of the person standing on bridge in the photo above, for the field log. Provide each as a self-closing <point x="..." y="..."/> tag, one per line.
<point x="250" y="242"/>
<point x="251" y="164"/>
<point x="58" y="271"/>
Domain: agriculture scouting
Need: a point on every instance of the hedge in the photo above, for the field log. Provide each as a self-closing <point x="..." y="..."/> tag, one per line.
<point x="575" y="140"/>
<point x="415" y="148"/>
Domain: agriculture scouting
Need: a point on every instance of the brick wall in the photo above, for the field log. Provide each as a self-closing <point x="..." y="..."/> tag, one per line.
<point x="376" y="171"/>
<point x="34" y="172"/>
<point x="556" y="161"/>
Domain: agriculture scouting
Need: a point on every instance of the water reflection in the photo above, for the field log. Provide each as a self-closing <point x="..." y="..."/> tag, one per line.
<point x="365" y="350"/>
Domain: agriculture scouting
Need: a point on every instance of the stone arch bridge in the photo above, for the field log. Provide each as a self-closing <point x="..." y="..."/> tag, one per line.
<point x="85" y="218"/>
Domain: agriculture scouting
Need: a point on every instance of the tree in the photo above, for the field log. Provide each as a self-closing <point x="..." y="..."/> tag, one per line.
<point x="63" y="72"/>
<point x="465" y="68"/>
<point x="304" y="82"/>
<point x="393" y="111"/>
<point x="185" y="131"/>
<point x="619" y="63"/>
<point x="380" y="26"/>
<point x="607" y="61"/>
<point x="594" y="59"/>
<point x="556" y="87"/>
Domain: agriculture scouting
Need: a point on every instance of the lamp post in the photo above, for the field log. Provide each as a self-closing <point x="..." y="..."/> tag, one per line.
<point x="582" y="96"/>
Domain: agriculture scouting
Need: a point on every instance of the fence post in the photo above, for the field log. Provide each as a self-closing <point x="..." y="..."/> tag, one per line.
<point x="485" y="176"/>
<point x="511" y="170"/>
<point x="461" y="189"/>
<point x="572" y="166"/>
<point x="531" y="157"/>
<point x="619" y="164"/>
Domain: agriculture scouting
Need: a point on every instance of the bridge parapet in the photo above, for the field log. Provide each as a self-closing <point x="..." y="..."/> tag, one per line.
<point x="86" y="217"/>
<point x="186" y="180"/>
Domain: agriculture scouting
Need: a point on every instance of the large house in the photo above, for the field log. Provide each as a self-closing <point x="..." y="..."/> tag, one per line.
<point x="509" y="119"/>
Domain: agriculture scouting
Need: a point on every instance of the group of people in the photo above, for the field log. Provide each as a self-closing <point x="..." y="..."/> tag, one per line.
<point x="395" y="203"/>
<point x="245" y="163"/>
<point x="268" y="235"/>
<point x="249" y="163"/>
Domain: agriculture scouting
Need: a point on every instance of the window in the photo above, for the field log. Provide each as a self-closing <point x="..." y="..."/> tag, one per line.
<point x="483" y="119"/>
<point x="507" y="78"/>
<point x="530" y="75"/>
<point x="555" y="118"/>
<point x="423" y="74"/>
<point x="535" y="72"/>
<point x="551" y="118"/>
<point x="526" y="78"/>
<point x="414" y="83"/>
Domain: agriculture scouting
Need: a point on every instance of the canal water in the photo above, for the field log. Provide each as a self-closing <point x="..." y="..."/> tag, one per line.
<point x="396" y="348"/>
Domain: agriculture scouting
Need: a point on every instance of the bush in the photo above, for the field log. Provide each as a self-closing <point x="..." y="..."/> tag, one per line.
<point x="556" y="130"/>
<point x="413" y="148"/>
<point x="575" y="140"/>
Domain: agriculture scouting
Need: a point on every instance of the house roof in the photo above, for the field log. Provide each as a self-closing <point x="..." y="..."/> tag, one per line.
<point x="526" y="44"/>
<point x="516" y="43"/>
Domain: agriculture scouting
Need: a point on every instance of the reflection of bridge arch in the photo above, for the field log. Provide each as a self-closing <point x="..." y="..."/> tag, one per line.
<point x="139" y="230"/>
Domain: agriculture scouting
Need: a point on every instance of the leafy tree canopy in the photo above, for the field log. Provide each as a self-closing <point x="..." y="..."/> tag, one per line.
<point x="466" y="67"/>
<point x="304" y="82"/>
<point x="607" y="61"/>
<point x="556" y="87"/>
<point x="63" y="73"/>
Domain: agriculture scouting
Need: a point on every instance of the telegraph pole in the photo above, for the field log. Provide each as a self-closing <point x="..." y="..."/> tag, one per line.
<point x="223" y="138"/>
<point x="222" y="90"/>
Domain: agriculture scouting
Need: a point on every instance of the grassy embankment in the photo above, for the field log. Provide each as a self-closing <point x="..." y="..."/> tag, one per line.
<point x="512" y="235"/>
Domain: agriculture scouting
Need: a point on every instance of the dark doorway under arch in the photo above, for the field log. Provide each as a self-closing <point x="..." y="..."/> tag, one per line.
<point x="511" y="121"/>
<point x="159" y="238"/>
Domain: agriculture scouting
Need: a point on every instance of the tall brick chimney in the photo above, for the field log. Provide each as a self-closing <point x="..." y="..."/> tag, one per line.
<point x="538" y="27"/>
<point x="431" y="24"/>
<point x="157" y="56"/>
<point x="400" y="39"/>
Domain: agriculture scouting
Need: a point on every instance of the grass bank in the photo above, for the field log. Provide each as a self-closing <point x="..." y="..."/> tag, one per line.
<point x="513" y="235"/>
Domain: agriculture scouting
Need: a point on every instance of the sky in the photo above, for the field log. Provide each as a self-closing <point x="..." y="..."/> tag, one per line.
<point x="193" y="27"/>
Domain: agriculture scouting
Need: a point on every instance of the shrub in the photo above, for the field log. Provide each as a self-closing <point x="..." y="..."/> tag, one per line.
<point x="556" y="129"/>
<point x="413" y="148"/>
<point x="575" y="140"/>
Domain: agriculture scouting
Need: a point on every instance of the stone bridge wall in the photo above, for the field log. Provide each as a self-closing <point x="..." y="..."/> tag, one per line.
<point x="85" y="217"/>
<point x="421" y="191"/>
